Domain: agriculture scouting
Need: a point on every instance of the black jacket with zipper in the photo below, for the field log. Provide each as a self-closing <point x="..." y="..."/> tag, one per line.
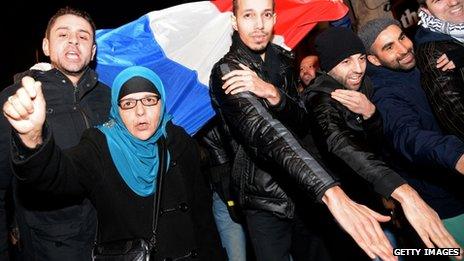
<point x="51" y="220"/>
<point x="269" y="161"/>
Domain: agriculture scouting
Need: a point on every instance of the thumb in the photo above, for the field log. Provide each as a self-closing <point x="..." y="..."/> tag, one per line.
<point x="244" y="67"/>
<point x="28" y="84"/>
<point x="379" y="217"/>
<point x="38" y="90"/>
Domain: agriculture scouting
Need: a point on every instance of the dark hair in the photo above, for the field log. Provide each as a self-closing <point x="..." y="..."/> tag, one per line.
<point x="72" y="11"/>
<point x="235" y="6"/>
<point x="421" y="2"/>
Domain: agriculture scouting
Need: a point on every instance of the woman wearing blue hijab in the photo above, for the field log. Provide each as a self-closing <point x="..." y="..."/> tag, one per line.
<point x="117" y="166"/>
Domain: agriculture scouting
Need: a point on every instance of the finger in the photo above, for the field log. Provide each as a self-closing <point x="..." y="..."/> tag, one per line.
<point x="378" y="238"/>
<point x="345" y="92"/>
<point x="441" y="237"/>
<point x="244" y="67"/>
<point x="340" y="94"/>
<point x="442" y="58"/>
<point x="442" y="64"/>
<point x="448" y="66"/>
<point x="366" y="249"/>
<point x="230" y="81"/>
<point x="233" y="73"/>
<point x="10" y="112"/>
<point x="345" y="102"/>
<point x="343" y="97"/>
<point x="235" y="79"/>
<point x="25" y="100"/>
<point x="38" y="90"/>
<point x="234" y="86"/>
<point x="239" y="90"/>
<point x="425" y="239"/>
<point x="18" y="107"/>
<point x="367" y="234"/>
<point x="385" y="245"/>
<point x="28" y="83"/>
<point x="377" y="216"/>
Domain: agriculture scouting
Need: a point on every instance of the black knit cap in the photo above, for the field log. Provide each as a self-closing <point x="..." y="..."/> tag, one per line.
<point x="137" y="84"/>
<point x="336" y="44"/>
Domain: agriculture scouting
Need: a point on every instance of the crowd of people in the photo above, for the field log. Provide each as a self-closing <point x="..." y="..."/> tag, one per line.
<point x="355" y="151"/>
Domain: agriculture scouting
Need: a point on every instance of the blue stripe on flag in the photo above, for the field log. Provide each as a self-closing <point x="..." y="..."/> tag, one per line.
<point x="188" y="100"/>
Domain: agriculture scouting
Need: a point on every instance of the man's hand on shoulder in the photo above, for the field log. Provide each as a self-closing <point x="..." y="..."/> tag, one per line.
<point x="246" y="80"/>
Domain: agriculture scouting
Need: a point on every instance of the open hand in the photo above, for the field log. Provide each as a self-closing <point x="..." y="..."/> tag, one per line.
<point x="360" y="222"/>
<point x="423" y="219"/>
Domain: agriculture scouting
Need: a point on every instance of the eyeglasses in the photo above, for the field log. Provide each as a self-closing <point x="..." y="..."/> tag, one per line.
<point x="127" y="104"/>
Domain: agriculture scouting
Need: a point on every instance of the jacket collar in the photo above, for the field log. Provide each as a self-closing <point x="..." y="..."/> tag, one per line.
<point x="86" y="83"/>
<point x="324" y="83"/>
<point x="269" y="69"/>
<point x="239" y="46"/>
<point x="424" y="35"/>
<point x="380" y="74"/>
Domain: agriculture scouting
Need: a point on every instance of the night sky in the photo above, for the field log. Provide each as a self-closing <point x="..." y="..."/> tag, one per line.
<point x="23" y="25"/>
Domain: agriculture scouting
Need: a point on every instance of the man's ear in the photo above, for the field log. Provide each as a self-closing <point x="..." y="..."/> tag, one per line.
<point x="425" y="9"/>
<point x="45" y="47"/>
<point x="373" y="59"/>
<point x="233" y="20"/>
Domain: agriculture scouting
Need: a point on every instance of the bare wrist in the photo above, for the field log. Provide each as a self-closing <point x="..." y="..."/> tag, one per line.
<point x="404" y="193"/>
<point x="332" y="195"/>
<point x="370" y="112"/>
<point x="32" y="139"/>
<point x="460" y="165"/>
<point x="274" y="97"/>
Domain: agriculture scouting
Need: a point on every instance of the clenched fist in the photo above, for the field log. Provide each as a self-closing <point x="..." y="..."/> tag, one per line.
<point x="25" y="110"/>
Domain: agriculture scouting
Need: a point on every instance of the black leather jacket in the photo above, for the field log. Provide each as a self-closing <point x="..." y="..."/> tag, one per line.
<point x="349" y="140"/>
<point x="269" y="159"/>
<point x="444" y="89"/>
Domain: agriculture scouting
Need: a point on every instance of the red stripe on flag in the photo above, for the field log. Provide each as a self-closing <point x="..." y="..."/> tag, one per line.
<point x="295" y="18"/>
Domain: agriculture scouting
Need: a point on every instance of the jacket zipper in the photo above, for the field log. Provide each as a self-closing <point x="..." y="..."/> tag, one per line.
<point x="76" y="107"/>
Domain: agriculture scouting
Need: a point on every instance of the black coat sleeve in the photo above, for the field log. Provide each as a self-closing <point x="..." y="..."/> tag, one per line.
<point x="256" y="128"/>
<point x="69" y="172"/>
<point x="349" y="148"/>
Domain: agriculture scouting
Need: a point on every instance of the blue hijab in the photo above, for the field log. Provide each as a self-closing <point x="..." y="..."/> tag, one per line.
<point x="137" y="161"/>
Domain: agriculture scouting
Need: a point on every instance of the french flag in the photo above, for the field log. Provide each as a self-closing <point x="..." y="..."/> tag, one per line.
<point x="182" y="43"/>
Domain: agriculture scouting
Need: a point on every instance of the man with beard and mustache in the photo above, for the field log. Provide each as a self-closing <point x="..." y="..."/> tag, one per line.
<point x="441" y="31"/>
<point x="430" y="160"/>
<point x="347" y="129"/>
<point x="51" y="227"/>
<point x="253" y="87"/>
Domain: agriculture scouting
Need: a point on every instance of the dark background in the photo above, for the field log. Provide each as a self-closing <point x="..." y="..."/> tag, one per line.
<point x="22" y="26"/>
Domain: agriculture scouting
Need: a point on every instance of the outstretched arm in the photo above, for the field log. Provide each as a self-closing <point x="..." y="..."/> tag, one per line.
<point x="423" y="219"/>
<point x="263" y="134"/>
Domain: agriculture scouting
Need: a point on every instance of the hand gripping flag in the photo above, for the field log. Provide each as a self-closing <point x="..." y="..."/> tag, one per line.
<point x="182" y="43"/>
